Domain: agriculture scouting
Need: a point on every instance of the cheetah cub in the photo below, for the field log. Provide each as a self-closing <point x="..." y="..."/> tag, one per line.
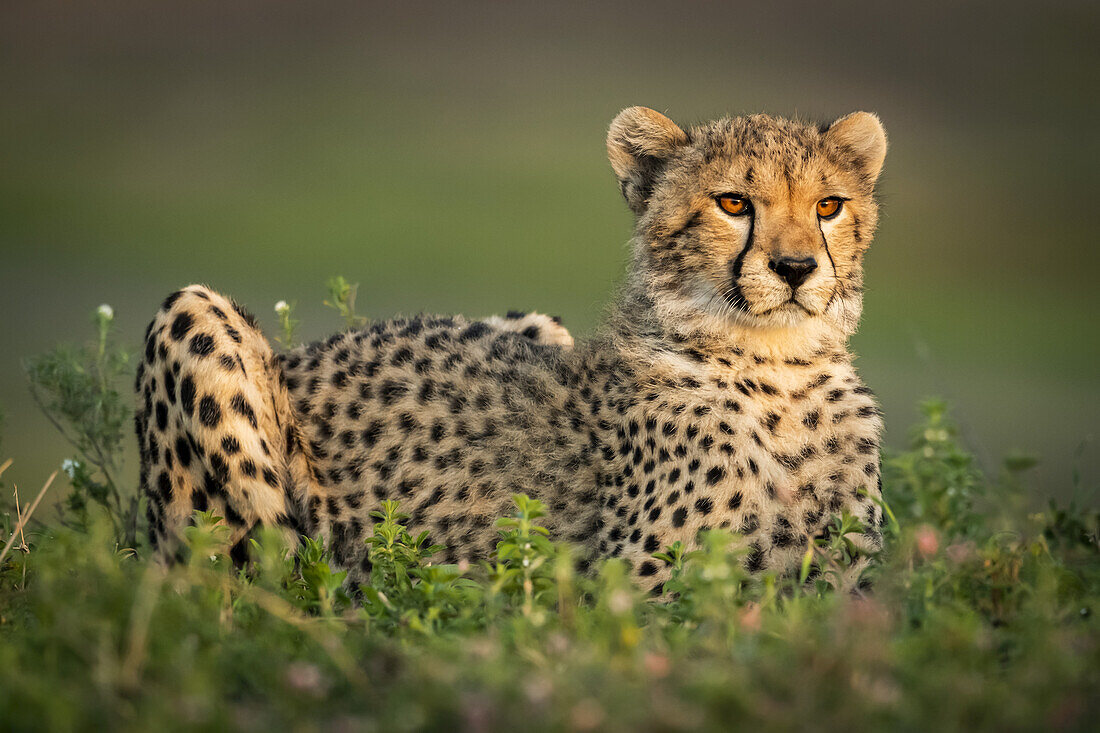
<point x="720" y="392"/>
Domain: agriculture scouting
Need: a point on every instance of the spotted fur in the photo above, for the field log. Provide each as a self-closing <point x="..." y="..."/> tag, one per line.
<point x="718" y="394"/>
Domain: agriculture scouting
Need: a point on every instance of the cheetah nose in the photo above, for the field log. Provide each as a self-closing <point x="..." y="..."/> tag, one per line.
<point x="794" y="271"/>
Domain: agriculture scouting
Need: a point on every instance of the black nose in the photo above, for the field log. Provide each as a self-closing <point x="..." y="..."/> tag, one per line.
<point x="793" y="271"/>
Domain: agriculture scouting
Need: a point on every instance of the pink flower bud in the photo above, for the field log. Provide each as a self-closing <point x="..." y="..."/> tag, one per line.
<point x="928" y="541"/>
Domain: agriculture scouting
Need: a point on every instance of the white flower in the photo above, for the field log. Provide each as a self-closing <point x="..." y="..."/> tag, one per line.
<point x="282" y="307"/>
<point x="69" y="466"/>
<point x="105" y="311"/>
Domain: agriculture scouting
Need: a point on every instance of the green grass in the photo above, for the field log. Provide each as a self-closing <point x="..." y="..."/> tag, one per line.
<point x="981" y="615"/>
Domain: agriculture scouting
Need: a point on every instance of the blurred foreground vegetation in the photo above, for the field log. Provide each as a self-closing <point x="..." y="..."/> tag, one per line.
<point x="980" y="615"/>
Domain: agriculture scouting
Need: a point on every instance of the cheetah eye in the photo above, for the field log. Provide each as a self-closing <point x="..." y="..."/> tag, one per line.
<point x="734" y="204"/>
<point x="828" y="208"/>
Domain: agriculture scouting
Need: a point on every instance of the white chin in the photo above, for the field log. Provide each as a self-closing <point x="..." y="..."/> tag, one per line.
<point x="786" y="315"/>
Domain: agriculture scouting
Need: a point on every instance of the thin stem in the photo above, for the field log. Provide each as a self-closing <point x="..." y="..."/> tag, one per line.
<point x="26" y="517"/>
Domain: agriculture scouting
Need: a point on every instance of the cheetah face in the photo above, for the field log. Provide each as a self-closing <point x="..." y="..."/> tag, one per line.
<point x="755" y="221"/>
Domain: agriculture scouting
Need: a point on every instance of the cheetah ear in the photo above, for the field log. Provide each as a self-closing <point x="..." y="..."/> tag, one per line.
<point x="863" y="136"/>
<point x="639" y="144"/>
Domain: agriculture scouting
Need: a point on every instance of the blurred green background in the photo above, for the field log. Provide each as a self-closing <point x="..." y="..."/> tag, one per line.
<point x="450" y="157"/>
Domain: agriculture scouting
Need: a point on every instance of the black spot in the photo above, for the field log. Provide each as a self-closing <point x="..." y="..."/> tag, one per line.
<point x="811" y="419"/>
<point x="749" y="525"/>
<point x="181" y="324"/>
<point x="475" y="331"/>
<point x="755" y="560"/>
<point x="230" y="445"/>
<point x="678" y="517"/>
<point x="240" y="406"/>
<point x="183" y="452"/>
<point x="531" y="332"/>
<point x="170" y="386"/>
<point x="220" y="467"/>
<point x="436" y="339"/>
<point x="866" y="445"/>
<point x="371" y="433"/>
<point x="332" y="507"/>
<point x="212" y="485"/>
<point x="391" y="390"/>
<point x="704" y="505"/>
<point x="715" y="474"/>
<point x="162" y="416"/>
<point x="187" y="395"/>
<point x="171" y="300"/>
<point x="782" y="536"/>
<point x="202" y="345"/>
<point x="210" y="414"/>
<point x="647" y="569"/>
<point x="164" y="486"/>
<point x="271" y="479"/>
<point x="735" y="500"/>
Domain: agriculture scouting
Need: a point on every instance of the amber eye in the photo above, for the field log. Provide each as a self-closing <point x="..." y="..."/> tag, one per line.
<point x="828" y="208"/>
<point x="734" y="205"/>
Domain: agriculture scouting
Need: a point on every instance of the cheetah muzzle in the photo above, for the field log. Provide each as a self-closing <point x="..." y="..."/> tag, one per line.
<point x="719" y="393"/>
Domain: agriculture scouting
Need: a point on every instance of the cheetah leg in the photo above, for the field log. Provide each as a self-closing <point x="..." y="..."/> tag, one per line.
<point x="545" y="330"/>
<point x="214" y="423"/>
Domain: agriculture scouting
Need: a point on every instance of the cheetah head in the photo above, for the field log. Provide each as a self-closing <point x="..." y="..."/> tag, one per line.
<point x="756" y="221"/>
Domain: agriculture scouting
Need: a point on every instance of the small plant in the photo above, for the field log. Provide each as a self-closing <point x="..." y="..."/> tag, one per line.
<point x="707" y="583"/>
<point x="321" y="590"/>
<point x="288" y="324"/>
<point x="835" y="556"/>
<point x="935" y="481"/>
<point x="524" y="573"/>
<point x="406" y="590"/>
<point x="341" y="298"/>
<point x="79" y="392"/>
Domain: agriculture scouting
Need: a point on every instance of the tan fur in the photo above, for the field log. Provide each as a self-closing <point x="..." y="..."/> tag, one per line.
<point x="717" y="395"/>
